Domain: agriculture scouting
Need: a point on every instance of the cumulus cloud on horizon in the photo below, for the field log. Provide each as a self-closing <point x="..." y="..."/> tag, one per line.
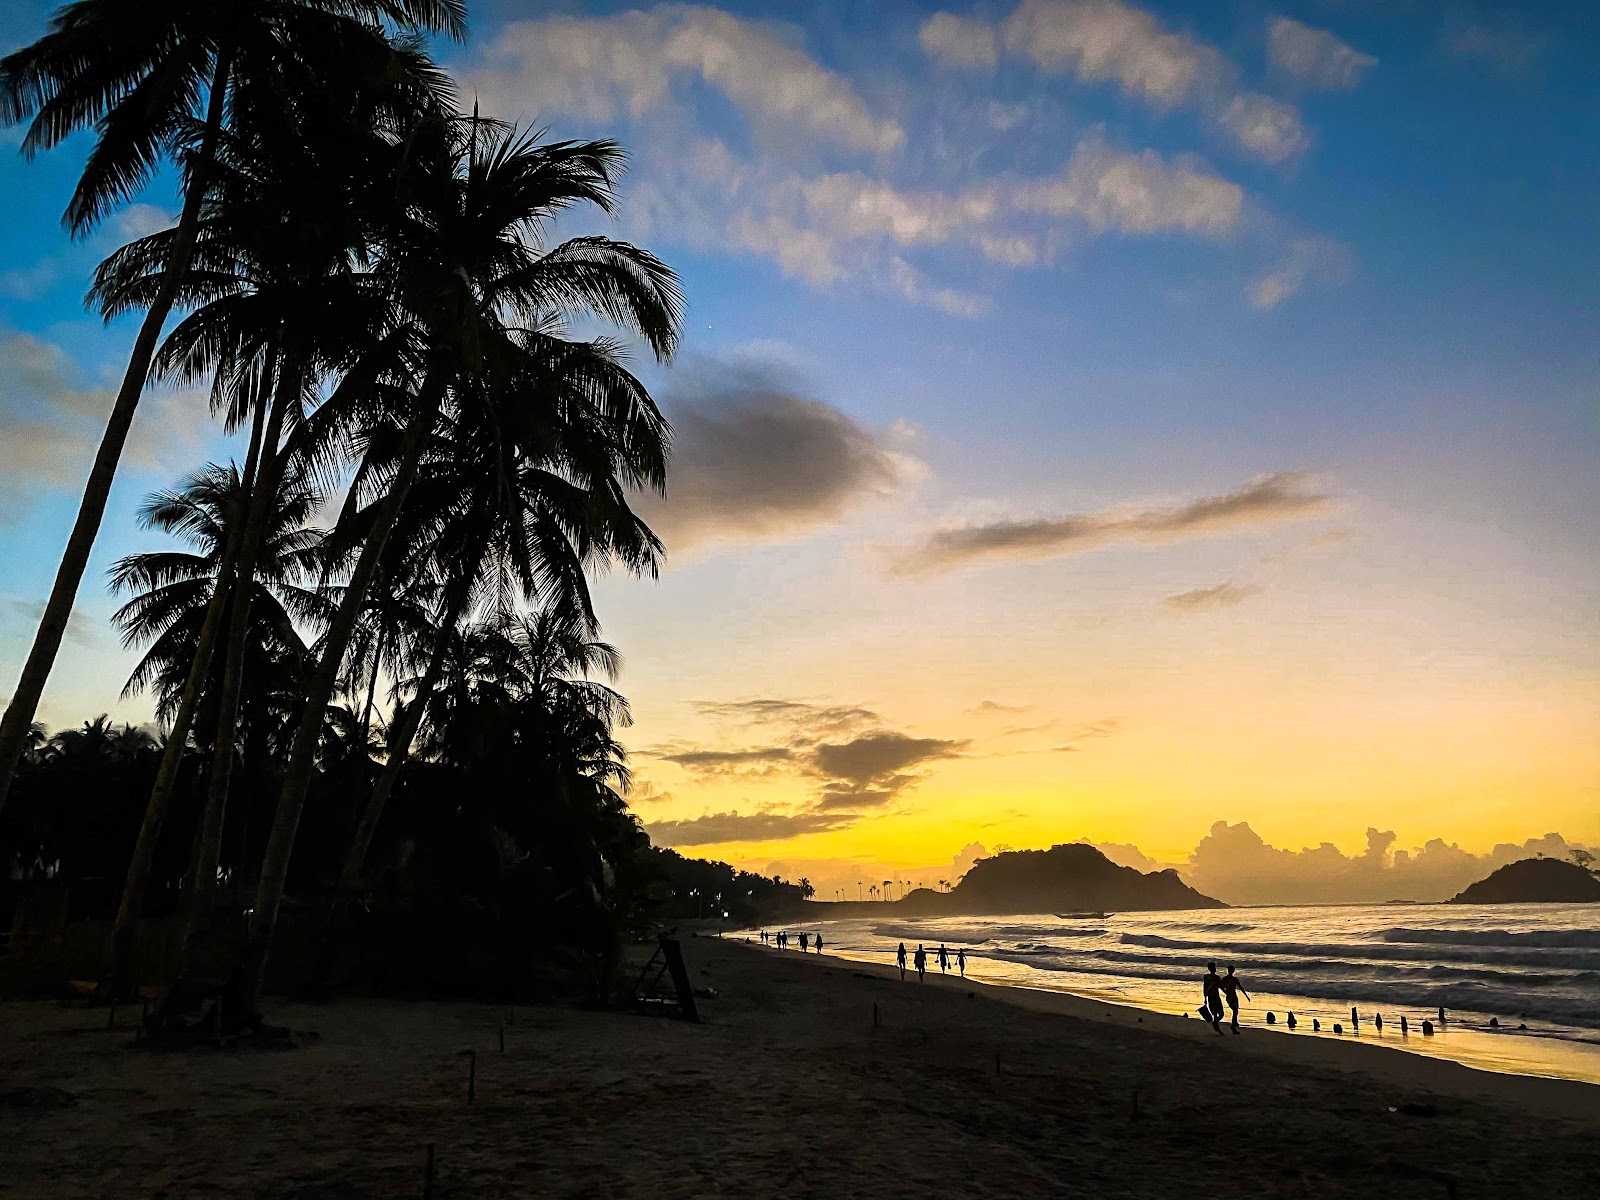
<point x="1235" y="864"/>
<point x="1266" y="500"/>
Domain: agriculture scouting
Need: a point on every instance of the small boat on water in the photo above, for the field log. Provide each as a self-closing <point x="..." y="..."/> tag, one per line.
<point x="1083" y="916"/>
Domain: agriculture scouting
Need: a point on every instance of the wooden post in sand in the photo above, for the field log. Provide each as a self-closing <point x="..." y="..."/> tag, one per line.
<point x="472" y="1076"/>
<point x="427" y="1175"/>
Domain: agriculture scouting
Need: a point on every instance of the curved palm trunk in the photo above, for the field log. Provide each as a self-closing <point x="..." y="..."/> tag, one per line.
<point x="91" y="510"/>
<point x="144" y="851"/>
<point x="372" y="684"/>
<point x="302" y="752"/>
<point x="399" y="751"/>
<point x="208" y="846"/>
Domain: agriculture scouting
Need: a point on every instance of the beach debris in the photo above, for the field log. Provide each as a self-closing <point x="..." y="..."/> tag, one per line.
<point x="667" y="960"/>
<point x="1427" y="1029"/>
<point x="1272" y="1018"/>
<point x="40" y="1097"/>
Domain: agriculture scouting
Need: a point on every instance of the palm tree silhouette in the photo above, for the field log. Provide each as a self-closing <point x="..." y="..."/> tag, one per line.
<point x="474" y="294"/>
<point x="137" y="75"/>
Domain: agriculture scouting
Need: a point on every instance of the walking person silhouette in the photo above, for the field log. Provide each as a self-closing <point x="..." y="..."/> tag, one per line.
<point x="900" y="961"/>
<point x="1231" y="987"/>
<point x="944" y="959"/>
<point x="1211" y="986"/>
<point x="922" y="964"/>
<point x="961" y="957"/>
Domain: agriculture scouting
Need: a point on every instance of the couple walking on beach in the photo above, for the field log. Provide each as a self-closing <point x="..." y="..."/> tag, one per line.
<point x="1215" y="988"/>
<point x="921" y="961"/>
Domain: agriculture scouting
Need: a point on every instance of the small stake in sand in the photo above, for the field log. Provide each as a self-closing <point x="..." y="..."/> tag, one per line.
<point x="472" y="1076"/>
<point x="427" y="1175"/>
<point x="877" y="1020"/>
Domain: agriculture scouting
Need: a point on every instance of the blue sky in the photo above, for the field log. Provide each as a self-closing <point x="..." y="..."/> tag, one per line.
<point x="1032" y="272"/>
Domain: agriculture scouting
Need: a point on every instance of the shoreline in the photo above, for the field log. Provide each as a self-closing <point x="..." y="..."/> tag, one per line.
<point x="806" y="1079"/>
<point x="1396" y="1065"/>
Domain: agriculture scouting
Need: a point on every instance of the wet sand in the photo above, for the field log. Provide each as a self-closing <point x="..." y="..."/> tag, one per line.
<point x="788" y="1089"/>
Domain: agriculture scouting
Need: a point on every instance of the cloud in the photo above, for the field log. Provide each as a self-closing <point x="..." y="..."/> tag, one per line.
<point x="1307" y="263"/>
<point x="873" y="769"/>
<point x="1235" y="864"/>
<point x="603" y="67"/>
<point x="718" y="761"/>
<point x="915" y="287"/>
<point x="1125" y="192"/>
<point x="1266" y="500"/>
<point x="1107" y="41"/>
<point x="763" y="825"/>
<point x="1314" y="56"/>
<point x="959" y="41"/>
<point x="52" y="417"/>
<point x="1503" y="45"/>
<point x="1208" y="599"/>
<point x="1270" y="128"/>
<point x="993" y="708"/>
<point x="854" y="761"/>
<point x="26" y="614"/>
<point x="798" y="715"/>
<point x="754" y="461"/>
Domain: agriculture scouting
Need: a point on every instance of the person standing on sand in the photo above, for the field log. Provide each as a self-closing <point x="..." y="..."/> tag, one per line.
<point x="944" y="959"/>
<point x="818" y="940"/>
<point x="1231" y="987"/>
<point x="803" y="940"/>
<point x="900" y="961"/>
<point x="922" y="964"/>
<point x="1211" y="985"/>
<point x="961" y="957"/>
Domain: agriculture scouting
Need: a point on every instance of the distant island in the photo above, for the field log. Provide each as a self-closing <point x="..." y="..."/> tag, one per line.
<point x="1071" y="878"/>
<point x="1534" y="881"/>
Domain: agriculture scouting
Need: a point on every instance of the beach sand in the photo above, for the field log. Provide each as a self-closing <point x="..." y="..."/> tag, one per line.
<point x="787" y="1089"/>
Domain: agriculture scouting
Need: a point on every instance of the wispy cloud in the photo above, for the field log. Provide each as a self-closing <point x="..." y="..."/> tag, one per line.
<point x="1268" y="500"/>
<point x="1505" y="44"/>
<point x="635" y="62"/>
<point x="25" y="614"/>
<point x="1208" y="599"/>
<point x="1111" y="42"/>
<point x="1307" y="263"/>
<point x="762" y="825"/>
<point x="1315" y="57"/>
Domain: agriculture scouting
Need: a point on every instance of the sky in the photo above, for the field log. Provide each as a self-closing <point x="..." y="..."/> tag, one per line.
<point x="1094" y="420"/>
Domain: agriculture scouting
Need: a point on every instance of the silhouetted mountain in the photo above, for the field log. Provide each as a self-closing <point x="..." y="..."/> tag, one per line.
<point x="1534" y="881"/>
<point x="1070" y="878"/>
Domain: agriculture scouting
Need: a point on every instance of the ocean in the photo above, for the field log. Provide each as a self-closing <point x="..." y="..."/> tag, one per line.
<point x="1534" y="968"/>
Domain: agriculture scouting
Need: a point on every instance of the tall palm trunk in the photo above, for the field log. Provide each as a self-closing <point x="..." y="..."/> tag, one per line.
<point x="64" y="592"/>
<point x="403" y="733"/>
<point x="372" y="684"/>
<point x="302" y="752"/>
<point x="208" y="846"/>
<point x="144" y="851"/>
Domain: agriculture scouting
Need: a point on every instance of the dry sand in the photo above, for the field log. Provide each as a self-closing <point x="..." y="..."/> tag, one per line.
<point x="786" y="1090"/>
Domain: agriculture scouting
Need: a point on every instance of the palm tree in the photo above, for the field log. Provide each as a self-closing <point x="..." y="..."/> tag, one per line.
<point x="137" y="75"/>
<point x="179" y="600"/>
<point x="296" y="183"/>
<point x="466" y="266"/>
